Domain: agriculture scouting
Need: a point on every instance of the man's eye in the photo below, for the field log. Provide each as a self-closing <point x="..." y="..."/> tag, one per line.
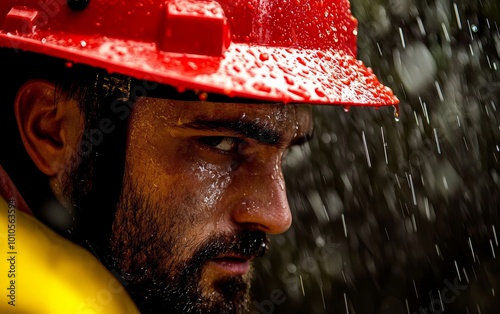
<point x="222" y="143"/>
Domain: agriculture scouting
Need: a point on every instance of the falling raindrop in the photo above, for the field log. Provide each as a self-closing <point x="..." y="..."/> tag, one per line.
<point x="401" y="34"/>
<point x="470" y="30"/>
<point x="495" y="235"/>
<point x="413" y="192"/>
<point x="458" y="272"/>
<point x="344" y="225"/>
<point x="471" y="249"/>
<point x="346" y="305"/>
<point x="302" y="286"/>
<point x="457" y="16"/>
<point x="384" y="143"/>
<point x="465" y="275"/>
<point x="421" y="26"/>
<point x="366" y="150"/>
<point x="437" y="141"/>
<point x="438" y="88"/>
<point x="379" y="50"/>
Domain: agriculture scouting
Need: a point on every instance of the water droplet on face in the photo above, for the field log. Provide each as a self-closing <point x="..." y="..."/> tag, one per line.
<point x="44" y="40"/>
<point x="83" y="43"/>
<point x="281" y="183"/>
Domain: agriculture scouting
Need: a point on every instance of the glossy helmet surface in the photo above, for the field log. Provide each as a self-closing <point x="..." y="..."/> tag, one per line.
<point x="300" y="51"/>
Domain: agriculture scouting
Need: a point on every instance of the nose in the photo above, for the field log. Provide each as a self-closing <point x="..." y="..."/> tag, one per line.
<point x="262" y="203"/>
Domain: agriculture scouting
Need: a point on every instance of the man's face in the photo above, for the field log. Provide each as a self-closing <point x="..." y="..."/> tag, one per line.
<point x="203" y="187"/>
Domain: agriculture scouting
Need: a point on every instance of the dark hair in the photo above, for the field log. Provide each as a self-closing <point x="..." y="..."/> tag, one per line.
<point x="94" y="179"/>
<point x="71" y="80"/>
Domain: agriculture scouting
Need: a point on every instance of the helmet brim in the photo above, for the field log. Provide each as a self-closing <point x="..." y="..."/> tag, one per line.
<point x="271" y="74"/>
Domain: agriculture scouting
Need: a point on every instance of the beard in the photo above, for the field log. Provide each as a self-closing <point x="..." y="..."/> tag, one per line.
<point x="144" y="240"/>
<point x="147" y="247"/>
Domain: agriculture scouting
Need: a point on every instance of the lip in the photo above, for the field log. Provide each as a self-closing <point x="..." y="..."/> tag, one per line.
<point x="232" y="265"/>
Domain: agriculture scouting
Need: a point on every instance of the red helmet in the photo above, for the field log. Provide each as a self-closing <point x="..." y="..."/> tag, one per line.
<point x="301" y="51"/>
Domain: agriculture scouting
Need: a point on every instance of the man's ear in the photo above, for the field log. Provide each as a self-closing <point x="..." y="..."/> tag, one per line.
<point x="50" y="128"/>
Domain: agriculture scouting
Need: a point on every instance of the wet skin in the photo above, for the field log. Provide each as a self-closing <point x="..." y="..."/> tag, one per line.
<point x="203" y="186"/>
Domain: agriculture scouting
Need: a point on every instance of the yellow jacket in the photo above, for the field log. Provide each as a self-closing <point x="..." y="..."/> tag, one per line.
<point x="44" y="273"/>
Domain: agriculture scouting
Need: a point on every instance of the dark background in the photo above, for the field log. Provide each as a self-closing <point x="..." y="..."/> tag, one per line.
<point x="419" y="197"/>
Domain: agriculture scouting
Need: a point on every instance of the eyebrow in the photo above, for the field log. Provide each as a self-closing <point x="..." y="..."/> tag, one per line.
<point x="250" y="129"/>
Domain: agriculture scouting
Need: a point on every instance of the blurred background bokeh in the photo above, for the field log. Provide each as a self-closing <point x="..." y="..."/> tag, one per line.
<point x="400" y="214"/>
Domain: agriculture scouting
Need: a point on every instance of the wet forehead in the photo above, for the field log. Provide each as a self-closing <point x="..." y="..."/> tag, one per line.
<point x="294" y="120"/>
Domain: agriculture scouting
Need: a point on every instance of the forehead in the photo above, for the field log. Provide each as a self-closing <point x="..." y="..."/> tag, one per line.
<point x="297" y="118"/>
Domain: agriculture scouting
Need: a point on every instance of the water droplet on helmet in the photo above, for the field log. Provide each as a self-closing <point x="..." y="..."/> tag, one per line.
<point x="396" y="113"/>
<point x="192" y="66"/>
<point x="301" y="60"/>
<point x="300" y="92"/>
<point x="203" y="96"/>
<point x="261" y="87"/>
<point x="289" y="80"/>
<point x="264" y="56"/>
<point x="319" y="92"/>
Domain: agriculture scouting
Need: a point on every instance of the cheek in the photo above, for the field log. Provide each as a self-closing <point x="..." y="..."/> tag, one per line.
<point x="189" y="199"/>
<point x="210" y="183"/>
